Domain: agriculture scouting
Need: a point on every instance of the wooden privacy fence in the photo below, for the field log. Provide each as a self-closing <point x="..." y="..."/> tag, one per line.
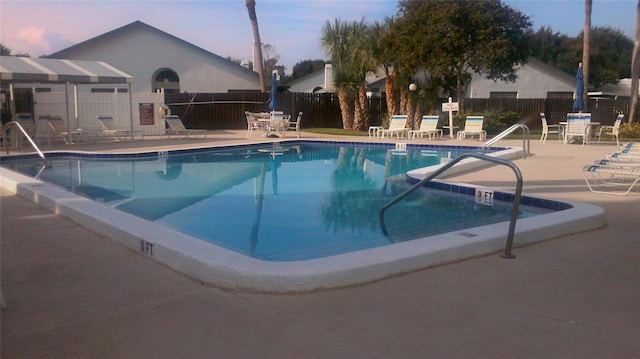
<point x="216" y="111"/>
<point x="219" y="111"/>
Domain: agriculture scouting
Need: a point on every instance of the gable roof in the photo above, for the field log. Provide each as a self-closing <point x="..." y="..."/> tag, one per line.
<point x="25" y="69"/>
<point x="139" y="25"/>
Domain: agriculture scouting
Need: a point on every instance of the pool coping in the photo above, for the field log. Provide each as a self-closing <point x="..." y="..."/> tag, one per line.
<point x="214" y="265"/>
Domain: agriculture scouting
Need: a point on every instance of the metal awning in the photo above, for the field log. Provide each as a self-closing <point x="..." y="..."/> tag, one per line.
<point x="25" y="69"/>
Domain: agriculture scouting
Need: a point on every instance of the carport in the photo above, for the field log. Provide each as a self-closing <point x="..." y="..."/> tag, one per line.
<point x="69" y="72"/>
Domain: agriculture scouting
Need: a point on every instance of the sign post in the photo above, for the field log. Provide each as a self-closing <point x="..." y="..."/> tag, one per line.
<point x="450" y="107"/>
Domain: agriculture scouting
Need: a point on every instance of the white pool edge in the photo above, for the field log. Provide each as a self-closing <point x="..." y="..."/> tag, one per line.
<point x="218" y="266"/>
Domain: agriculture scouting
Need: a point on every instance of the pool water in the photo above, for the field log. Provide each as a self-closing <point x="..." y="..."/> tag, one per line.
<point x="278" y="202"/>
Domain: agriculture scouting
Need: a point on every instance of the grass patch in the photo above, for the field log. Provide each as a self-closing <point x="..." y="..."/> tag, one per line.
<point x="336" y="131"/>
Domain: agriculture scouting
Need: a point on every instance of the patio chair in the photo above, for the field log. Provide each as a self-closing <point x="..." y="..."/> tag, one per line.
<point x="599" y="176"/>
<point x="295" y="125"/>
<point x="57" y="128"/>
<point x="26" y="122"/>
<point x="473" y="127"/>
<point x="110" y="129"/>
<point x="253" y="123"/>
<point x="577" y="126"/>
<point x="397" y="126"/>
<point x="177" y="128"/>
<point x="428" y="126"/>
<point x="611" y="130"/>
<point x="547" y="129"/>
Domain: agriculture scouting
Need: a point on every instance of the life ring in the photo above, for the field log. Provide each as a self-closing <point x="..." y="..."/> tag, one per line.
<point x="164" y="111"/>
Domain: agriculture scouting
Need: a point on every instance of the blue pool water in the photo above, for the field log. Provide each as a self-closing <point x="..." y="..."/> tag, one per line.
<point x="280" y="202"/>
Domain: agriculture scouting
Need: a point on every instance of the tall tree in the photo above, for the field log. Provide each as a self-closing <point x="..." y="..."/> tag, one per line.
<point x="635" y="69"/>
<point x="342" y="42"/>
<point x="586" y="49"/>
<point x="257" y="44"/>
<point x="453" y="39"/>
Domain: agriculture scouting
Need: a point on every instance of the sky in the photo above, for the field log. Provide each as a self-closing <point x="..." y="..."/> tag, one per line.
<point x="293" y="27"/>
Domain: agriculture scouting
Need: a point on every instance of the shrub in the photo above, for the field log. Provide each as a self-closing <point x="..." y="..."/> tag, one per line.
<point x="630" y="130"/>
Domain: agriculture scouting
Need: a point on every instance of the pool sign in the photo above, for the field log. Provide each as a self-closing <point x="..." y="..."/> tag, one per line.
<point x="450" y="107"/>
<point x="484" y="196"/>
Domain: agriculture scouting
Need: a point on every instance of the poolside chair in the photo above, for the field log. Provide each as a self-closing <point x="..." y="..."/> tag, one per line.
<point x="598" y="176"/>
<point x="577" y="126"/>
<point x="473" y="127"/>
<point x="547" y="129"/>
<point x="26" y="122"/>
<point x="253" y="123"/>
<point x="177" y="128"/>
<point x="57" y="128"/>
<point x="428" y="126"/>
<point x="611" y="130"/>
<point x="397" y="126"/>
<point x="110" y="129"/>
<point x="295" y="125"/>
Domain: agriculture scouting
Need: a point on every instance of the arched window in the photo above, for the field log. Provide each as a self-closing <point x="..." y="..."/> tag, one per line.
<point x="166" y="79"/>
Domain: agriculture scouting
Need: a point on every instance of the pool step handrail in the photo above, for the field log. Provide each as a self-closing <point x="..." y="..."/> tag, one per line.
<point x="17" y="124"/>
<point x="526" y="145"/>
<point x="516" y="198"/>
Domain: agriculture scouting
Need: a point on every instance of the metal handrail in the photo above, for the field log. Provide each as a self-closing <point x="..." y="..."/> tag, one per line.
<point x="516" y="198"/>
<point x="15" y="123"/>
<point x="526" y="145"/>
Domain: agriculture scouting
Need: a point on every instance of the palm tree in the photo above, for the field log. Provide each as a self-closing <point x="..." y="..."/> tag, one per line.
<point x="342" y="42"/>
<point x="383" y="56"/>
<point x="257" y="44"/>
<point x="586" y="48"/>
<point x="635" y="69"/>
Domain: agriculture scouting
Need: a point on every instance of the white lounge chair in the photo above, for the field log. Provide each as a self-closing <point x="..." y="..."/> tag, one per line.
<point x="177" y="128"/>
<point x="611" y="130"/>
<point x="577" y="126"/>
<point x="547" y="129"/>
<point x="599" y="176"/>
<point x="110" y="129"/>
<point x="295" y="125"/>
<point x="473" y="127"/>
<point x="55" y="127"/>
<point x="397" y="126"/>
<point x="428" y="126"/>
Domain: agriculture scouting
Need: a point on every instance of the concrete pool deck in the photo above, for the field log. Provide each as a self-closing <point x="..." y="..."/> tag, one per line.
<point x="73" y="293"/>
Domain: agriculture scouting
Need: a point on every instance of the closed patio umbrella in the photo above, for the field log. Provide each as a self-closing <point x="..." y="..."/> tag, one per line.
<point x="578" y="104"/>
<point x="273" y="103"/>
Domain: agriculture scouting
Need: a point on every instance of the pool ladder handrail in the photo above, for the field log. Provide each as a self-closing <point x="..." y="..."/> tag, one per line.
<point x="15" y="123"/>
<point x="526" y="145"/>
<point x="516" y="198"/>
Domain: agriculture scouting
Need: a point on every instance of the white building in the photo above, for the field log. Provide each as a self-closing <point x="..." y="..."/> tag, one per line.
<point x="536" y="79"/>
<point x="156" y="59"/>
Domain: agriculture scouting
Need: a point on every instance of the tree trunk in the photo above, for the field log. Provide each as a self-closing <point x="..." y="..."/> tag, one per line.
<point x="392" y="94"/>
<point x="635" y="69"/>
<point x="257" y="44"/>
<point x="361" y="120"/>
<point x="586" y="49"/>
<point x="345" y="108"/>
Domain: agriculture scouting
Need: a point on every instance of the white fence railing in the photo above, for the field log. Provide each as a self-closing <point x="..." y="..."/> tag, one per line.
<point x="85" y="113"/>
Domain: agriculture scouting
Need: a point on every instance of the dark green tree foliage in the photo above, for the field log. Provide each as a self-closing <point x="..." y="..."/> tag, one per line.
<point x="453" y="39"/>
<point x="611" y="52"/>
<point x="4" y="51"/>
<point x="306" y="67"/>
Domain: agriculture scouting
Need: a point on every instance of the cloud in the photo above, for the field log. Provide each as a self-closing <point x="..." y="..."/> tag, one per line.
<point x="39" y="41"/>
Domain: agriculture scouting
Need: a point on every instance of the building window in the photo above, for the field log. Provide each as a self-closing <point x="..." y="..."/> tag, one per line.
<point x="166" y="79"/>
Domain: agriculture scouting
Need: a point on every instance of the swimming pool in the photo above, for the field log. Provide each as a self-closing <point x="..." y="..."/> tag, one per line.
<point x="248" y="197"/>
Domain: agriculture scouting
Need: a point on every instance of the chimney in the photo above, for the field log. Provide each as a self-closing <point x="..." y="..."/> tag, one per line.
<point x="328" y="78"/>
